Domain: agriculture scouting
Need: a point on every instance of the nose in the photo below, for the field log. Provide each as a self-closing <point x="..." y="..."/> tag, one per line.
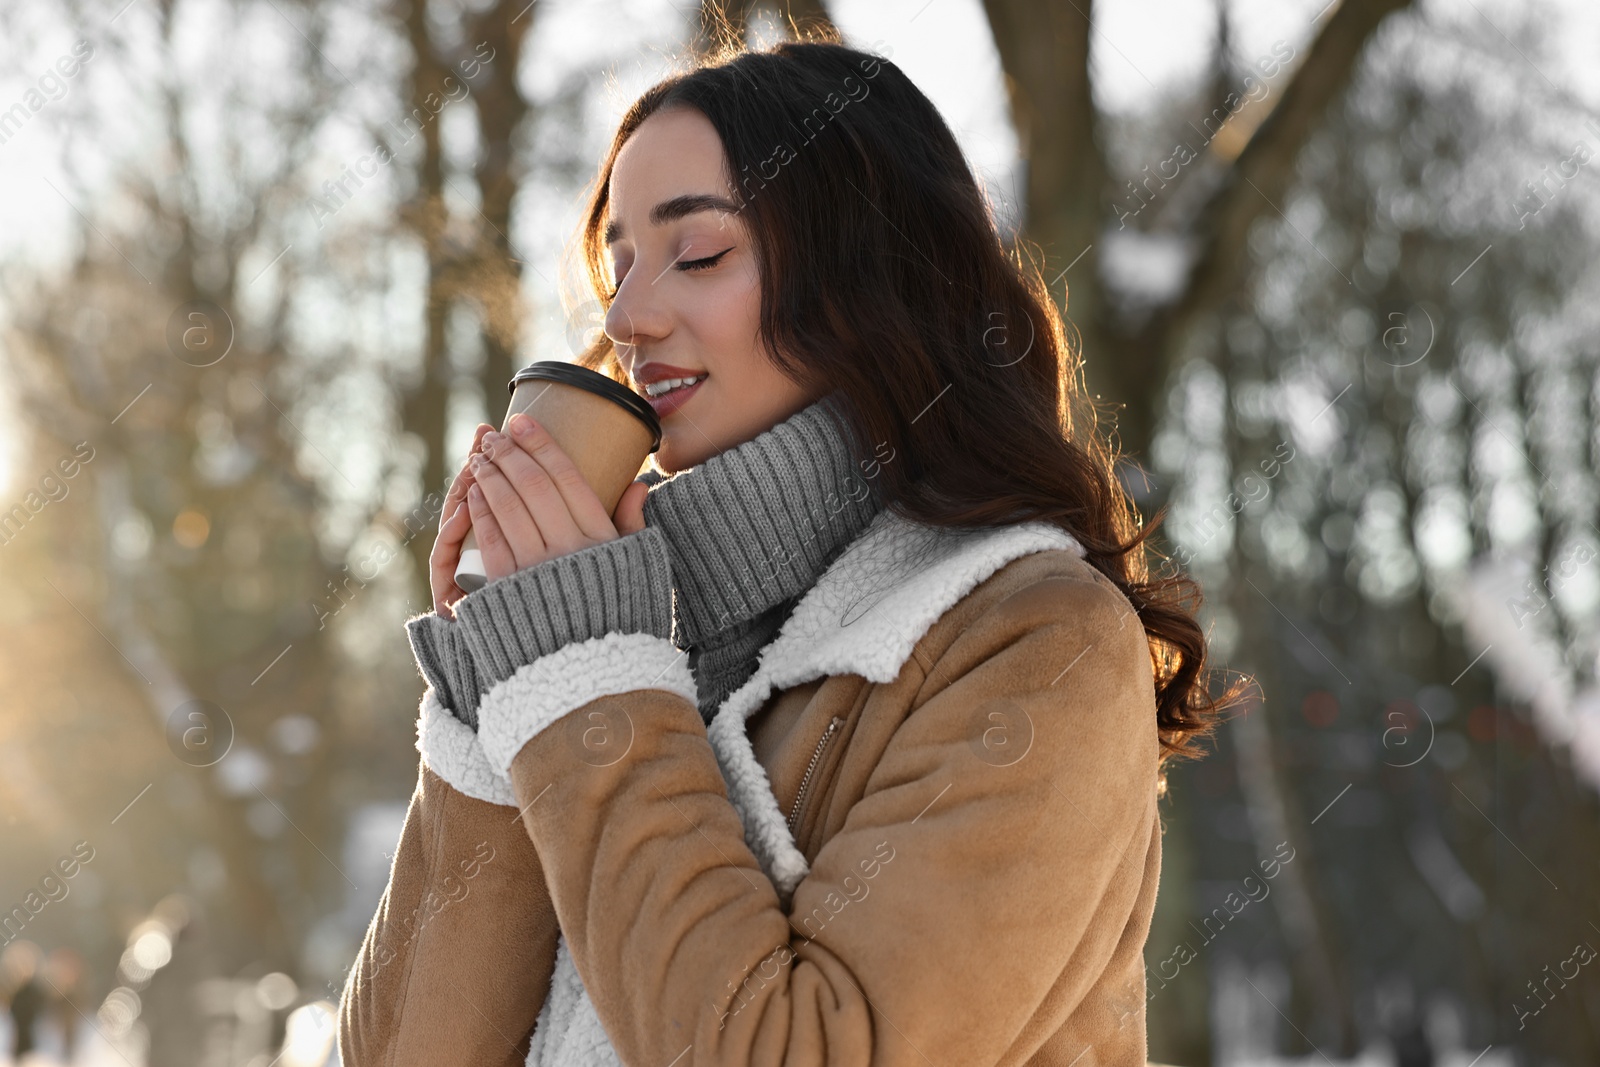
<point x="637" y="314"/>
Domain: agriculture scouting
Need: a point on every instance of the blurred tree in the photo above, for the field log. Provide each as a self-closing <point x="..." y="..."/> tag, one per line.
<point x="1418" y="342"/>
<point x="208" y="564"/>
<point x="212" y="539"/>
<point x="1073" y="196"/>
<point x="480" y="269"/>
<point x="1209" y="169"/>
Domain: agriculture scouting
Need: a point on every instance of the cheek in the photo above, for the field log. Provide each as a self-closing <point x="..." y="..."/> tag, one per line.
<point x="746" y="393"/>
<point x="727" y="319"/>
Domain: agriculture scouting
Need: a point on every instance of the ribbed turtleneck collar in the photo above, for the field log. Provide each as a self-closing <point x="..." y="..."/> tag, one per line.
<point x="750" y="529"/>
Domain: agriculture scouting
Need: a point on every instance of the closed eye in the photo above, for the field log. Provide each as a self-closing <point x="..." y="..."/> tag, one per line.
<point x="684" y="264"/>
<point x="702" y="264"/>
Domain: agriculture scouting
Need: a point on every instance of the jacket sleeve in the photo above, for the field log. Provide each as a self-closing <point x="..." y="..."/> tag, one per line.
<point x="970" y="890"/>
<point x="456" y="962"/>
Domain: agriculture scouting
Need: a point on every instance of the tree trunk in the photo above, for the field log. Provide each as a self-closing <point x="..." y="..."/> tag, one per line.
<point x="425" y="402"/>
<point x="501" y="109"/>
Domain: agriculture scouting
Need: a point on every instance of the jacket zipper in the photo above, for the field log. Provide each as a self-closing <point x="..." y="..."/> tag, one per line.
<point x="816" y="758"/>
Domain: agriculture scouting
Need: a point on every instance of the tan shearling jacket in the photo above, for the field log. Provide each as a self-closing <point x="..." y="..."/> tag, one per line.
<point x="924" y="832"/>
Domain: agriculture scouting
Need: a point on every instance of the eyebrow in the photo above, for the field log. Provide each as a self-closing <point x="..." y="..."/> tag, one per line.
<point x="676" y="208"/>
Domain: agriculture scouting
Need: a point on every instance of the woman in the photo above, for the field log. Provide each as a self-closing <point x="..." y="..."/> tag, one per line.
<point x="841" y="741"/>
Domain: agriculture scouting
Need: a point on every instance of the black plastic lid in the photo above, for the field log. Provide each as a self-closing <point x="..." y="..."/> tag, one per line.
<point x="559" y="370"/>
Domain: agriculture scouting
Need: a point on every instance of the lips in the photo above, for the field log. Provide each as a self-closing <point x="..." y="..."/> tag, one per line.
<point x="672" y="400"/>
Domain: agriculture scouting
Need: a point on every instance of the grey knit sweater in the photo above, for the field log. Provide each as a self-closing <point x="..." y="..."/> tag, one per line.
<point x="728" y="548"/>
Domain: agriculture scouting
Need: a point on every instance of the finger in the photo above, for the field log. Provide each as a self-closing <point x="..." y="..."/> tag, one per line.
<point x="512" y="516"/>
<point x="497" y="558"/>
<point x="539" y="495"/>
<point x="452" y="531"/>
<point x="453" y="527"/>
<point x="582" y="503"/>
<point x="446" y="554"/>
<point x="629" y="516"/>
<point x="457" y="493"/>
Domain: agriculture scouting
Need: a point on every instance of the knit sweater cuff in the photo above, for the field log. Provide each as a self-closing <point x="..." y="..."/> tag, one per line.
<point x="619" y="586"/>
<point x="446" y="664"/>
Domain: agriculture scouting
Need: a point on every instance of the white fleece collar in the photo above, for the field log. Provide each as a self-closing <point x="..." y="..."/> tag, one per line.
<point x="863" y="616"/>
<point x="868" y="610"/>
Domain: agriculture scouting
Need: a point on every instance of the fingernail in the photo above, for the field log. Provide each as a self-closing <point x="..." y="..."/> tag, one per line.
<point x="476" y="494"/>
<point x="521" y="425"/>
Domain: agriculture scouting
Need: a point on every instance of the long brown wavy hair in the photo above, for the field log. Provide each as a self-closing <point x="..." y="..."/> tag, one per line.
<point x="886" y="282"/>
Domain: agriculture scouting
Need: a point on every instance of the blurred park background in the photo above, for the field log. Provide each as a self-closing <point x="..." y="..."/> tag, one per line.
<point x="264" y="264"/>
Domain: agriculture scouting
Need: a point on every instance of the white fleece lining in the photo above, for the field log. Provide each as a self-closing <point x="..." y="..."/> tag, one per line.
<point x="864" y="615"/>
<point x="450" y="749"/>
<point x="541" y="692"/>
<point x="568" y="1031"/>
<point x="907" y="575"/>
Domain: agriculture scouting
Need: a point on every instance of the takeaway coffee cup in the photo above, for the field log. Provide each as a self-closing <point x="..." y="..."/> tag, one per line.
<point x="605" y="428"/>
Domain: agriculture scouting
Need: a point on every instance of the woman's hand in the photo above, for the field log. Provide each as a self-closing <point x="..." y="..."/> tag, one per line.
<point x="528" y="502"/>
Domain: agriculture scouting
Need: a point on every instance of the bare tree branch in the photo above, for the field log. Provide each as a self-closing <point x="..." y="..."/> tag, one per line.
<point x="1044" y="52"/>
<point x="1255" y="186"/>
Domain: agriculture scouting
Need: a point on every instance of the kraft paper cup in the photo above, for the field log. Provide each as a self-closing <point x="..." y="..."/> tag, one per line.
<point x="605" y="428"/>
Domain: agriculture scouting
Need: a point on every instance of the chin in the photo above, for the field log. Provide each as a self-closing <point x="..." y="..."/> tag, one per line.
<point x="671" y="457"/>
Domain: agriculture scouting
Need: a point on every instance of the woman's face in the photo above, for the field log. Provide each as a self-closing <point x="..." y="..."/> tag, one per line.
<point x="688" y="298"/>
